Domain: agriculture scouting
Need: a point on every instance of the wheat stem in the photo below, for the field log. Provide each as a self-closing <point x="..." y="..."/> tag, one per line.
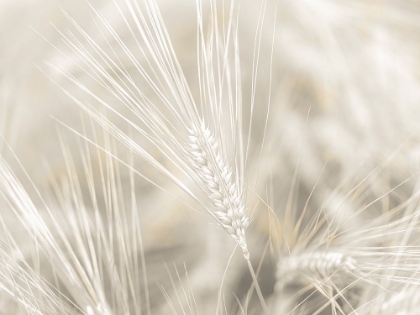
<point x="257" y="287"/>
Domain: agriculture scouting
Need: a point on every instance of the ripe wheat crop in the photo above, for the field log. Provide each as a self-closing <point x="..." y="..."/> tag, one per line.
<point x="209" y="157"/>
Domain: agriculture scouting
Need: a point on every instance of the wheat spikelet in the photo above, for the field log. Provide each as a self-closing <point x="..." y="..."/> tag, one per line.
<point x="225" y="195"/>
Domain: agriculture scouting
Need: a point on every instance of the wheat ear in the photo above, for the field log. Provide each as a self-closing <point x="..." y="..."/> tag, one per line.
<point x="318" y="265"/>
<point x="193" y="136"/>
<point x="225" y="194"/>
<point x="216" y="175"/>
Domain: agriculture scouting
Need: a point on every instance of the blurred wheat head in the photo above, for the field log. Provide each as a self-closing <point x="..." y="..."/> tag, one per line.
<point x="290" y="124"/>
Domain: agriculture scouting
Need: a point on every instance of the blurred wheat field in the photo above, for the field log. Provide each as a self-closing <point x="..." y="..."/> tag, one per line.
<point x="209" y="157"/>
